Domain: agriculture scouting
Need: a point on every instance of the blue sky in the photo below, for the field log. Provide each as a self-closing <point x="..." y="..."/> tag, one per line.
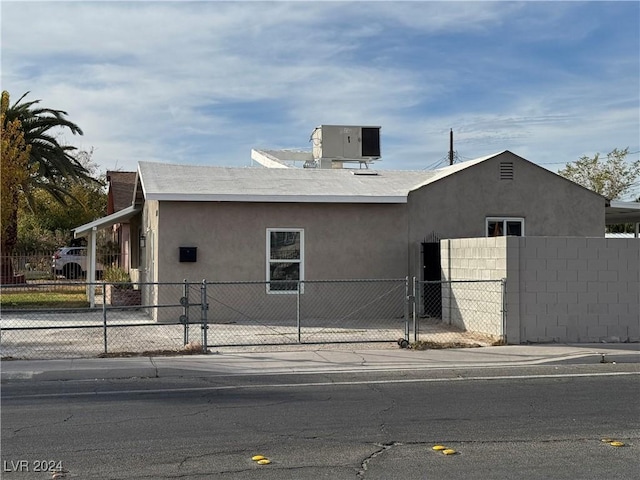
<point x="204" y="82"/>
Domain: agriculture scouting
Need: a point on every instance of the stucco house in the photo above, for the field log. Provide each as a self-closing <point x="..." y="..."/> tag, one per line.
<point x="260" y="224"/>
<point x="280" y="225"/>
<point x="252" y="224"/>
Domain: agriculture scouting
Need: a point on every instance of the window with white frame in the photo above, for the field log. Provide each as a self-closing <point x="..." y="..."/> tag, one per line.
<point x="507" y="226"/>
<point x="285" y="259"/>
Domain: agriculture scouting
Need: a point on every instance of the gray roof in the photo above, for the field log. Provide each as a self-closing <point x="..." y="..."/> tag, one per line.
<point x="174" y="182"/>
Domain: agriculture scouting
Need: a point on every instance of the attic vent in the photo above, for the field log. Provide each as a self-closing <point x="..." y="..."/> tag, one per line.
<point x="364" y="172"/>
<point x="506" y="170"/>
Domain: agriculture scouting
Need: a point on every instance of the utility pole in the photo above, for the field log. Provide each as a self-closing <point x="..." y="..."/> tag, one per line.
<point x="451" y="147"/>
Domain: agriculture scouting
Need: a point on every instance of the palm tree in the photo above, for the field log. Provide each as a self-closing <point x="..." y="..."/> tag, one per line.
<point x="50" y="165"/>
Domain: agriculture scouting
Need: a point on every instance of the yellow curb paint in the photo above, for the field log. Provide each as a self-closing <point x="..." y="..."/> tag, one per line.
<point x="616" y="444"/>
<point x="257" y="458"/>
<point x="439" y="447"/>
<point x="449" y="451"/>
<point x="264" y="461"/>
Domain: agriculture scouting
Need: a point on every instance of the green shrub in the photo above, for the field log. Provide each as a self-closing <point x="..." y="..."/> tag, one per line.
<point x="117" y="275"/>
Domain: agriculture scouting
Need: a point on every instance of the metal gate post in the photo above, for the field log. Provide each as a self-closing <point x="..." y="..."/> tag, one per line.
<point x="415" y="310"/>
<point x="104" y="314"/>
<point x="503" y="290"/>
<point x="185" y="311"/>
<point x="407" y="301"/>
<point x="203" y="314"/>
<point x="298" y="320"/>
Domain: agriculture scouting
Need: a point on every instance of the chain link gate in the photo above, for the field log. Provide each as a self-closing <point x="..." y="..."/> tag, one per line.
<point x="335" y="311"/>
<point x="459" y="311"/>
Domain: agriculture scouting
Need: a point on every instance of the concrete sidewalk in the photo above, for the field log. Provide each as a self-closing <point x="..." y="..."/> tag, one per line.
<point x="312" y="361"/>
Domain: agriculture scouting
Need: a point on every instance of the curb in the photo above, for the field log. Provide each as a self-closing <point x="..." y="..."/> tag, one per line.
<point x="303" y="362"/>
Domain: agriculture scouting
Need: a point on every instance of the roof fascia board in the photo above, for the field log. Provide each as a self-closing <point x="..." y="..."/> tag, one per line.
<point x="620" y="204"/>
<point x="446" y="172"/>
<point x="277" y="198"/>
<point x="140" y="181"/>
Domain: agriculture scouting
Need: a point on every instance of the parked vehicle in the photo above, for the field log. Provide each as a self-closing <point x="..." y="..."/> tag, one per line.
<point x="72" y="263"/>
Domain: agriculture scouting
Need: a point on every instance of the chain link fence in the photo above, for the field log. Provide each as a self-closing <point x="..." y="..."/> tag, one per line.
<point x="307" y="312"/>
<point x="58" y="319"/>
<point x="459" y="311"/>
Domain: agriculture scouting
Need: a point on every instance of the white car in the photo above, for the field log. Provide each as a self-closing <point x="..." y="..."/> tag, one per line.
<point x="71" y="262"/>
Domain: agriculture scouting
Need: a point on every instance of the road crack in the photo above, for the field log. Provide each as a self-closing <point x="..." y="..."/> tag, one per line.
<point x="155" y="367"/>
<point x="382" y="447"/>
<point x="28" y="427"/>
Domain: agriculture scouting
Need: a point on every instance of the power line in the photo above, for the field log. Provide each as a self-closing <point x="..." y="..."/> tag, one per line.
<point x="437" y="163"/>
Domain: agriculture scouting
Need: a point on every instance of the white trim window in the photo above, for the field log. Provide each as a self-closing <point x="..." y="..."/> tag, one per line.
<point x="285" y="259"/>
<point x="501" y="226"/>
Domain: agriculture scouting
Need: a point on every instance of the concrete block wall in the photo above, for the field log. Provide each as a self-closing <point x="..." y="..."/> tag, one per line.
<point x="472" y="292"/>
<point x="579" y="289"/>
<point x="558" y="289"/>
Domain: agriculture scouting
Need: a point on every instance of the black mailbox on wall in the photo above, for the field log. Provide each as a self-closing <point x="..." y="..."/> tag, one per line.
<point x="188" y="254"/>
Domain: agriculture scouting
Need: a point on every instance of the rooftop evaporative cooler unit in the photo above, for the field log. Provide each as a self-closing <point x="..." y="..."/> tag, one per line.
<point x="334" y="145"/>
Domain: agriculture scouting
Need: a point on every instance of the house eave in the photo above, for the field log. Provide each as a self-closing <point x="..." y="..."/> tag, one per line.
<point x="276" y="198"/>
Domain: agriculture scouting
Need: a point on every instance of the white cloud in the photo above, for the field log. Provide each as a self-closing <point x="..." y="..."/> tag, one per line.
<point x="203" y="82"/>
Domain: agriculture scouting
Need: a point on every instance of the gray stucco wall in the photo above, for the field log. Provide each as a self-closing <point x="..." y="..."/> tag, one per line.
<point x="341" y="241"/>
<point x="457" y="206"/>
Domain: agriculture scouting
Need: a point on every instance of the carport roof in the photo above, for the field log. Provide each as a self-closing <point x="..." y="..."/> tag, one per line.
<point x="622" y="212"/>
<point x="107" y="221"/>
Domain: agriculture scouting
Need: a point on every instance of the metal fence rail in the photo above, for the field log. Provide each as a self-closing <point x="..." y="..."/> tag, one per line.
<point x="30" y="266"/>
<point x="53" y="319"/>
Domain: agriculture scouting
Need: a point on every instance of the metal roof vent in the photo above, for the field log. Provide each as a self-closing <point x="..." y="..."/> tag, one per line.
<point x="506" y="170"/>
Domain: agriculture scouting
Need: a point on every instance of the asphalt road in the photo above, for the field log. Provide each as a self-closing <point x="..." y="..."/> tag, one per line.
<point x="534" y="423"/>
